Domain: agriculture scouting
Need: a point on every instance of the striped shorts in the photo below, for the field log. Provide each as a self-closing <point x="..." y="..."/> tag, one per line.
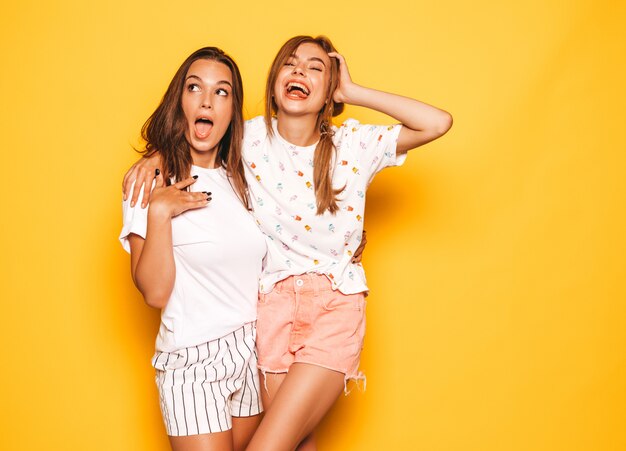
<point x="202" y="387"/>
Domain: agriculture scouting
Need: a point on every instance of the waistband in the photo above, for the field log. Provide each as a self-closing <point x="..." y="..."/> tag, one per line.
<point x="303" y="283"/>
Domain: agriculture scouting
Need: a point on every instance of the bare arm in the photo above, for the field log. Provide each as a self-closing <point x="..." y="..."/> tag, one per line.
<point x="421" y="122"/>
<point x="152" y="260"/>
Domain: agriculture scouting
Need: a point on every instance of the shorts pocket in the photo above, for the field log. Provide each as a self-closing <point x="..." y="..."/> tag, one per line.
<point x="263" y="298"/>
<point x="164" y="361"/>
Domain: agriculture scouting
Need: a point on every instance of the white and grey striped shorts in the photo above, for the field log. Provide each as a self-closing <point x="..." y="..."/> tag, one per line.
<point x="202" y="387"/>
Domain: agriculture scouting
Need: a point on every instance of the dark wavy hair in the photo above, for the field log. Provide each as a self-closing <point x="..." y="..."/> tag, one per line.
<point x="164" y="131"/>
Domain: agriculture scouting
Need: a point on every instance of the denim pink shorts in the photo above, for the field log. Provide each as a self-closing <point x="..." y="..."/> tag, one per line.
<point x="303" y="320"/>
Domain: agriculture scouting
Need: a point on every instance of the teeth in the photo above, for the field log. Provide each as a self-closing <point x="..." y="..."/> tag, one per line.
<point x="292" y="85"/>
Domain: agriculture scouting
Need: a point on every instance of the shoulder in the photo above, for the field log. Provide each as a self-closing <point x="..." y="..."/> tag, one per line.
<point x="347" y="132"/>
<point x="254" y="128"/>
<point x="353" y="129"/>
<point x="347" y="126"/>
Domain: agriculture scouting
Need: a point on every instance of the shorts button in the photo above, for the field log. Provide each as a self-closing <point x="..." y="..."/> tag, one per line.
<point x="299" y="282"/>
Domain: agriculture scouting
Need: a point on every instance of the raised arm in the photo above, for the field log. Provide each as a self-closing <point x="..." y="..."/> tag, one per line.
<point x="421" y="122"/>
<point x="152" y="260"/>
<point x="142" y="173"/>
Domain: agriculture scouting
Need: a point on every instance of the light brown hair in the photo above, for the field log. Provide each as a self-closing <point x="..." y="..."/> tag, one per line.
<point x="325" y="195"/>
<point x="164" y="131"/>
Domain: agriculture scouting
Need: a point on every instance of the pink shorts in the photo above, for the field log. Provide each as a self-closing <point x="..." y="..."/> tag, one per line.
<point x="304" y="320"/>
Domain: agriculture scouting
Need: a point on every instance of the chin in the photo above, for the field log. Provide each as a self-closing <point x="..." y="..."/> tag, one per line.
<point x="299" y="109"/>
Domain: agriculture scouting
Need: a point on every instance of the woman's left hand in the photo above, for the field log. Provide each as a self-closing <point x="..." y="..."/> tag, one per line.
<point x="345" y="85"/>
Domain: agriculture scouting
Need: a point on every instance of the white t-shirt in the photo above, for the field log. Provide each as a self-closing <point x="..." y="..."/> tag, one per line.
<point x="280" y="178"/>
<point x="218" y="252"/>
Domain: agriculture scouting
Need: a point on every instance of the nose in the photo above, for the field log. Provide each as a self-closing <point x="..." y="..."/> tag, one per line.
<point x="297" y="69"/>
<point x="206" y="102"/>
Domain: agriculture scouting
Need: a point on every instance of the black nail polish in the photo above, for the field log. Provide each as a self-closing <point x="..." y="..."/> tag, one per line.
<point x="195" y="176"/>
<point x="204" y="192"/>
<point x="157" y="172"/>
<point x="209" y="193"/>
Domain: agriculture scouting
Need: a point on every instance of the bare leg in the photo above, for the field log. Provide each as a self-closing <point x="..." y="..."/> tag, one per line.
<point x="217" y="441"/>
<point x="302" y="397"/>
<point x="243" y="430"/>
<point x="273" y="382"/>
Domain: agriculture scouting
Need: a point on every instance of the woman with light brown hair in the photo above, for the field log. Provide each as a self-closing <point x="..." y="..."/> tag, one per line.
<point x="307" y="180"/>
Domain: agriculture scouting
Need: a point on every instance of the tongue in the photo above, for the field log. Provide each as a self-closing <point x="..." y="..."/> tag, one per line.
<point x="203" y="129"/>
<point x="297" y="94"/>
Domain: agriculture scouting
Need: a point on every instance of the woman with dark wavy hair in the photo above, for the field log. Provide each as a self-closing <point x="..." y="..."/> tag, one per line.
<point x="196" y="254"/>
<point x="307" y="179"/>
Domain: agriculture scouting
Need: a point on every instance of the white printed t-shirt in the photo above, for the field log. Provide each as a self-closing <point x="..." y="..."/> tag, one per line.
<point x="218" y="251"/>
<point x="280" y="179"/>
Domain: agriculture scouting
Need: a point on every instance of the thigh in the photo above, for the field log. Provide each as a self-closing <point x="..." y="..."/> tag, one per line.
<point x="243" y="430"/>
<point x="270" y="384"/>
<point x="218" y="441"/>
<point x="297" y="402"/>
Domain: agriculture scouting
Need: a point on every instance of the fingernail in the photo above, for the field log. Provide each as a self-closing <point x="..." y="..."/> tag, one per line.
<point x="157" y="172"/>
<point x="143" y="205"/>
<point x="209" y="193"/>
<point x="124" y="196"/>
<point x="132" y="204"/>
<point x="195" y="176"/>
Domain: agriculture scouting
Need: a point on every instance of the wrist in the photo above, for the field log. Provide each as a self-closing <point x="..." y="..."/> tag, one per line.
<point x="158" y="212"/>
<point x="353" y="94"/>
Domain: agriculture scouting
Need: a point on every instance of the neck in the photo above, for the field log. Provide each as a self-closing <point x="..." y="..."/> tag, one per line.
<point x="298" y="130"/>
<point x="205" y="160"/>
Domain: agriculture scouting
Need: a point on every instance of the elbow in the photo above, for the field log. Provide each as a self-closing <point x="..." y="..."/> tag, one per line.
<point x="155" y="294"/>
<point x="155" y="298"/>
<point x="444" y="123"/>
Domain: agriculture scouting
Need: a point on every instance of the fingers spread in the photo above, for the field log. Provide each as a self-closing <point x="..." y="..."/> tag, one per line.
<point x="129" y="178"/>
<point x="147" y="187"/>
<point x="185" y="183"/>
<point x="197" y="200"/>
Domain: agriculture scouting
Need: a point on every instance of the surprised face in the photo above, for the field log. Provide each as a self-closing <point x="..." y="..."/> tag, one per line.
<point x="207" y="104"/>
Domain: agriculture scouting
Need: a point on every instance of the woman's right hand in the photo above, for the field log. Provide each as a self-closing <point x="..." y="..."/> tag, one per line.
<point x="170" y="201"/>
<point x="142" y="173"/>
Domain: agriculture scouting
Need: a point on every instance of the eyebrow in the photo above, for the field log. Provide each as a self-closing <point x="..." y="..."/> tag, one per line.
<point x="313" y="58"/>
<point x="221" y="82"/>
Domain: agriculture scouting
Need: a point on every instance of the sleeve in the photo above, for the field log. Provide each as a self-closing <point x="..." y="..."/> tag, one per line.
<point x="135" y="220"/>
<point x="375" y="146"/>
<point x="254" y="134"/>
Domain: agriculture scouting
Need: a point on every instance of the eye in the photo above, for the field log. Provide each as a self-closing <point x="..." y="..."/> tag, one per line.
<point x="193" y="87"/>
<point x="317" y="68"/>
<point x="290" y="63"/>
<point x="221" y="92"/>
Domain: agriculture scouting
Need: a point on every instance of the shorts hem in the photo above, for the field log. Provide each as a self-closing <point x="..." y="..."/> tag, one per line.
<point x="248" y="416"/>
<point x="357" y="377"/>
<point x="202" y="432"/>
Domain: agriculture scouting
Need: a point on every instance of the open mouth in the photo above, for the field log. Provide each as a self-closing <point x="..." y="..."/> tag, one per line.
<point x="297" y="90"/>
<point x="203" y="127"/>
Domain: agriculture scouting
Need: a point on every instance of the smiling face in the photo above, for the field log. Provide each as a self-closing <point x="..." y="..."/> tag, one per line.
<point x="207" y="104"/>
<point x="302" y="83"/>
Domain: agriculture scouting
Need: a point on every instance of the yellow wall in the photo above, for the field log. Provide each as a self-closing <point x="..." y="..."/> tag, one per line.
<point x="497" y="319"/>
